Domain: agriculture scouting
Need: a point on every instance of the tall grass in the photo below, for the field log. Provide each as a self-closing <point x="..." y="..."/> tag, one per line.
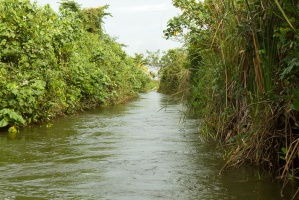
<point x="244" y="83"/>
<point x="258" y="120"/>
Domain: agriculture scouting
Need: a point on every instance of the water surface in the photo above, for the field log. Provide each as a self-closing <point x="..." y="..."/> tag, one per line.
<point x="140" y="150"/>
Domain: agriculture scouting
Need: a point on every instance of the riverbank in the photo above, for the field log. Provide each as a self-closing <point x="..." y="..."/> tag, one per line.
<point x="241" y="60"/>
<point x="55" y="64"/>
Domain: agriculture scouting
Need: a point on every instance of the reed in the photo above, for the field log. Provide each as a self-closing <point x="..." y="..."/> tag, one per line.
<point x="244" y="83"/>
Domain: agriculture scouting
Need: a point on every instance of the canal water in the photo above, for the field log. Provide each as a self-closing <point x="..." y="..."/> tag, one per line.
<point x="144" y="149"/>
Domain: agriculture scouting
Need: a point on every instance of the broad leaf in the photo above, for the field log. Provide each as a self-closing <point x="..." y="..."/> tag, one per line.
<point x="3" y="122"/>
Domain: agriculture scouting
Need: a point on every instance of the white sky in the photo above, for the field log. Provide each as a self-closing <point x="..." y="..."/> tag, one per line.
<point x="139" y="24"/>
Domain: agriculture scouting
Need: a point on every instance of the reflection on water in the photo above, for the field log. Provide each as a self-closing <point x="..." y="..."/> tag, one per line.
<point x="135" y="151"/>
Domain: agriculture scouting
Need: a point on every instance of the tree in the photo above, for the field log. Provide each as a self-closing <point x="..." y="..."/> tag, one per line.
<point x="153" y="58"/>
<point x="93" y="18"/>
<point x="140" y="60"/>
<point x="69" y="4"/>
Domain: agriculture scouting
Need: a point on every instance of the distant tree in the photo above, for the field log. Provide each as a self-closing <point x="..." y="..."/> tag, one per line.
<point x="173" y="57"/>
<point x="140" y="60"/>
<point x="93" y="18"/>
<point x="153" y="58"/>
<point x="69" y="4"/>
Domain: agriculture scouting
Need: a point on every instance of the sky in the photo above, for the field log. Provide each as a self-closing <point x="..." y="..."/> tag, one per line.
<point x="139" y="24"/>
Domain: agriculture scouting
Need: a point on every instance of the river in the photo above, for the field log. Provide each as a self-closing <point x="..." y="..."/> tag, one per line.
<point x="144" y="149"/>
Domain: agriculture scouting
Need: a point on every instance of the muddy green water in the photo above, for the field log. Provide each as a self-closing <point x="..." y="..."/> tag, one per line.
<point x="134" y="151"/>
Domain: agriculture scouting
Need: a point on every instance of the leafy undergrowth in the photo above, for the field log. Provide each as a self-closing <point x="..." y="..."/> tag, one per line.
<point x="58" y="63"/>
<point x="242" y="58"/>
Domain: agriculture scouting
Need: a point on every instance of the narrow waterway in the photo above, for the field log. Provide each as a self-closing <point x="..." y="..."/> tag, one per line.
<point x="140" y="150"/>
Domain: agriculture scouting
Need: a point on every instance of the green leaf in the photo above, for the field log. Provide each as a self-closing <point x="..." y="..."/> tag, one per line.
<point x="12" y="130"/>
<point x="5" y="111"/>
<point x="284" y="14"/>
<point x="284" y="150"/>
<point x="16" y="117"/>
<point x="39" y="84"/>
<point x="282" y="157"/>
<point x="30" y="16"/>
<point x="13" y="35"/>
<point x="13" y="115"/>
<point x="291" y="68"/>
<point x="295" y="105"/>
<point x="3" y="122"/>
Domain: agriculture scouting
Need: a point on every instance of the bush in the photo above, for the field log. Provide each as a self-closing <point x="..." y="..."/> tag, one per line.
<point x="51" y="65"/>
<point x="243" y="63"/>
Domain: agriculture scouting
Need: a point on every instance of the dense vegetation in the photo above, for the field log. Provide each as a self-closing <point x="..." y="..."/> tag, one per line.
<point x="174" y="76"/>
<point x="243" y="74"/>
<point x="58" y="63"/>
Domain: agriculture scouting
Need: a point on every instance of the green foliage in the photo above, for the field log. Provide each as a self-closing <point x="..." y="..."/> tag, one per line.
<point x="69" y="4"/>
<point x="93" y="18"/>
<point x="12" y="130"/>
<point x="153" y="85"/>
<point x="139" y="59"/>
<point x="174" y="75"/>
<point x="8" y="116"/>
<point x="50" y="64"/>
<point x="243" y="63"/>
<point x="153" y="58"/>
